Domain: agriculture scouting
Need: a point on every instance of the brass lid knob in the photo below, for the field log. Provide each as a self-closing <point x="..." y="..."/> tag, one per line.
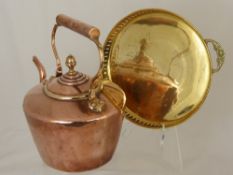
<point x="72" y="77"/>
<point x="71" y="63"/>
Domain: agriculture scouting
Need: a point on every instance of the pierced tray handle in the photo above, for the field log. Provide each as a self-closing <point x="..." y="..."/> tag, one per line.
<point x="219" y="52"/>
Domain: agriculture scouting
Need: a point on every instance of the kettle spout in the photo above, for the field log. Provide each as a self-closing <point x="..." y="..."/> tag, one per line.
<point x="40" y="67"/>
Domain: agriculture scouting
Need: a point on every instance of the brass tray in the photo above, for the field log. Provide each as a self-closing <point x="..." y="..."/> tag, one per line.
<point x="163" y="64"/>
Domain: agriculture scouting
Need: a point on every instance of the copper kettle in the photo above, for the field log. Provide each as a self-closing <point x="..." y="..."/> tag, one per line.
<point x="75" y="120"/>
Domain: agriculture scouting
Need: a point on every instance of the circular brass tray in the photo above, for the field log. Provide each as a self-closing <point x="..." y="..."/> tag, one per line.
<point x="163" y="65"/>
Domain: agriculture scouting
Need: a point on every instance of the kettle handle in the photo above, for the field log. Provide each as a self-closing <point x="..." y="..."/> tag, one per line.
<point x="82" y="28"/>
<point x="94" y="103"/>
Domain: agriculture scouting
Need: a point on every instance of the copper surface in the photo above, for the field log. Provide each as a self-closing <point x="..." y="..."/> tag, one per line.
<point x="40" y="67"/>
<point x="68" y="135"/>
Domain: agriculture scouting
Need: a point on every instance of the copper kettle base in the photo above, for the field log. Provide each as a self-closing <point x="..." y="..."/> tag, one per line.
<point x="72" y="145"/>
<point x="62" y="148"/>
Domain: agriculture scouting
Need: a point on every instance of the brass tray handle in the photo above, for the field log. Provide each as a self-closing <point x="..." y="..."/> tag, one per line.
<point x="219" y="52"/>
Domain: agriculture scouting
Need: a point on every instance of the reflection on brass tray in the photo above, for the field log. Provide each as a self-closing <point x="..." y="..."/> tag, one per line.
<point x="149" y="93"/>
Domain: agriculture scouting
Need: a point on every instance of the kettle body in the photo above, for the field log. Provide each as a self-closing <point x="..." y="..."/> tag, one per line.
<point x="68" y="135"/>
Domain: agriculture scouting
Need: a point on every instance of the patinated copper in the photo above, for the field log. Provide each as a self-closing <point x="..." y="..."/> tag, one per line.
<point x="75" y="120"/>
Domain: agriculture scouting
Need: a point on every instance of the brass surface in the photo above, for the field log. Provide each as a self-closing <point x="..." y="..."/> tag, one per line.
<point x="114" y="93"/>
<point x="72" y="77"/>
<point x="71" y="63"/>
<point x="95" y="104"/>
<point x="163" y="65"/>
<point x="57" y="96"/>
<point x="53" y="44"/>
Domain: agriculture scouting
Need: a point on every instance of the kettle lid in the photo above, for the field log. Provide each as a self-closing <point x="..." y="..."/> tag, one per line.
<point x="72" y="83"/>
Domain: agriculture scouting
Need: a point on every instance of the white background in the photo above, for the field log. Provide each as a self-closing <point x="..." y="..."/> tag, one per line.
<point x="206" y="139"/>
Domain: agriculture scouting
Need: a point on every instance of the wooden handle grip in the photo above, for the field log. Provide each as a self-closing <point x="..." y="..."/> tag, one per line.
<point x="84" y="29"/>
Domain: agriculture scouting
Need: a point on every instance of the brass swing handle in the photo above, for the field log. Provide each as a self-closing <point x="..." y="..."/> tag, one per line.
<point x="219" y="52"/>
<point x="82" y="28"/>
<point x="93" y="33"/>
<point x="99" y="83"/>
